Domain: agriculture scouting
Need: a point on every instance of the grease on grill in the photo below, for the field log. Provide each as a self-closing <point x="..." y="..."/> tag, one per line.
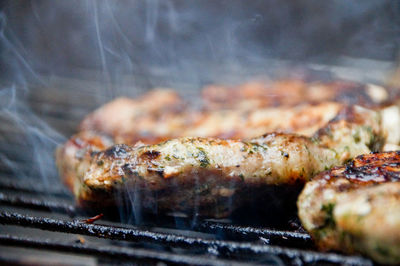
<point x="93" y="219"/>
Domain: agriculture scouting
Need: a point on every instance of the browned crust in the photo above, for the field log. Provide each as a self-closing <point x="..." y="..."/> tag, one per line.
<point x="367" y="169"/>
<point x="76" y="150"/>
<point x="289" y="92"/>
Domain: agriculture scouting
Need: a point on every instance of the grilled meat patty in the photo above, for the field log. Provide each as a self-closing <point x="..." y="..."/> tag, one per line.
<point x="150" y="124"/>
<point x="356" y="207"/>
<point x="291" y="92"/>
<point x="304" y="107"/>
<point x="151" y="118"/>
<point x="210" y="176"/>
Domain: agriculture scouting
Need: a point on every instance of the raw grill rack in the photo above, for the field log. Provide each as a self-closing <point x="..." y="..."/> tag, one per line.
<point x="38" y="220"/>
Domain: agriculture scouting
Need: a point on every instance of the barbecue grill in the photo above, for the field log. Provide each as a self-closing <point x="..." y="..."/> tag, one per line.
<point x="39" y="222"/>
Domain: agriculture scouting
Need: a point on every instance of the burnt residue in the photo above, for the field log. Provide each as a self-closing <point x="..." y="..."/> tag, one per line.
<point x="150" y="155"/>
<point x="119" y="151"/>
<point x="128" y="169"/>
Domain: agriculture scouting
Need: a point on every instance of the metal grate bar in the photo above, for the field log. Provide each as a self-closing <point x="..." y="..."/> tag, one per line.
<point x="276" y="237"/>
<point x="10" y="184"/>
<point x="18" y="201"/>
<point x="213" y="246"/>
<point x="114" y="252"/>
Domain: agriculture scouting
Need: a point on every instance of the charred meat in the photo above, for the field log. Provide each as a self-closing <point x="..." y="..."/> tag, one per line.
<point x="356" y="208"/>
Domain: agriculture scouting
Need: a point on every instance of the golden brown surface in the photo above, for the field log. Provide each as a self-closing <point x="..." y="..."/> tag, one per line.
<point x="356" y="207"/>
<point x="151" y="118"/>
<point x="206" y="173"/>
<point x="158" y="151"/>
<point x="291" y="92"/>
<point x="332" y="132"/>
<point x="127" y="121"/>
<point x="242" y="112"/>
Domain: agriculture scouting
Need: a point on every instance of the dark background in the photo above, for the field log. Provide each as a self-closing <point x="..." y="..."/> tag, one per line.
<point x="126" y="37"/>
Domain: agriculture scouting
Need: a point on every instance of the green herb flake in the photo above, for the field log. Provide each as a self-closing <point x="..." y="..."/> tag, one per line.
<point x="258" y="147"/>
<point x="315" y="140"/>
<point x="357" y="137"/>
<point x="328" y="132"/>
<point x="382" y="251"/>
<point x="202" y="157"/>
<point x="328" y="209"/>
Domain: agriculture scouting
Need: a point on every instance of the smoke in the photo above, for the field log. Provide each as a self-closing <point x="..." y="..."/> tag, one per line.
<point x="29" y="143"/>
<point x="61" y="59"/>
<point x="188" y="40"/>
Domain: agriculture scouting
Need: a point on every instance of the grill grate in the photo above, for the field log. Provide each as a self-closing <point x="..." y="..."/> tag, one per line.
<point x="113" y="252"/>
<point x="211" y="247"/>
<point x="251" y="244"/>
<point x="36" y="215"/>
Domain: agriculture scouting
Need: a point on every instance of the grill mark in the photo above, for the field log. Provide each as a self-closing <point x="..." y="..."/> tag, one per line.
<point x="150" y="155"/>
<point x="368" y="169"/>
<point x="367" y="174"/>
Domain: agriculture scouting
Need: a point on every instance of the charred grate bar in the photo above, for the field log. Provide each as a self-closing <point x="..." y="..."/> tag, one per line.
<point x="20" y="201"/>
<point x="12" y="185"/>
<point x="119" y="253"/>
<point x="213" y="247"/>
<point x="270" y="236"/>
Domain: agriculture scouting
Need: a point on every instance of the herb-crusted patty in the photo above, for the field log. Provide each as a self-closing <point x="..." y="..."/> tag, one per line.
<point x="356" y="207"/>
<point x="209" y="176"/>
